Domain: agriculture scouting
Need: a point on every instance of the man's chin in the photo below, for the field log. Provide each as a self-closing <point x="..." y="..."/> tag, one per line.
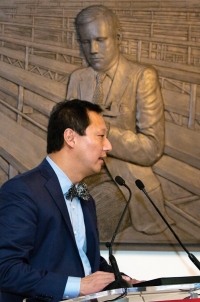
<point x="94" y="171"/>
<point x="98" y="169"/>
<point x="97" y="66"/>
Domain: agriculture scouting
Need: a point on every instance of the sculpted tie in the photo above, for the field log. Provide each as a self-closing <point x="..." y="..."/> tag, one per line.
<point x="98" y="93"/>
<point x="80" y="191"/>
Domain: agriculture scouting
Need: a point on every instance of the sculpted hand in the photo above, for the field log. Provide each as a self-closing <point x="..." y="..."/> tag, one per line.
<point x="95" y="282"/>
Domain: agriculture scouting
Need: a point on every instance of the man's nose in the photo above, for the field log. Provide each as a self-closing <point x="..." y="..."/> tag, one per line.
<point x="94" y="47"/>
<point x="107" y="145"/>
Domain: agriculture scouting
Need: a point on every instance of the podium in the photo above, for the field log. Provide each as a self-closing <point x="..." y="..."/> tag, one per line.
<point x="172" y="292"/>
<point x="172" y="289"/>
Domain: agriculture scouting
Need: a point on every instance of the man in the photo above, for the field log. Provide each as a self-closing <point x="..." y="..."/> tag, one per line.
<point x="49" y="246"/>
<point x="130" y="94"/>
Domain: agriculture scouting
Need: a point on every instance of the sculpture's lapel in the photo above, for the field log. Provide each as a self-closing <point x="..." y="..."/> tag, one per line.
<point x="86" y="84"/>
<point x="120" y="82"/>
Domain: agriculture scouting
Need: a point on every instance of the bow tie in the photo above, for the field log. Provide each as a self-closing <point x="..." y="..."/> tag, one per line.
<point x="80" y="191"/>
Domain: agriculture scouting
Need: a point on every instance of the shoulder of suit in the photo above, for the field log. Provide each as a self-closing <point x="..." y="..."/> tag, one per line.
<point x="82" y="71"/>
<point x="43" y="168"/>
<point x="136" y="66"/>
<point x="21" y="180"/>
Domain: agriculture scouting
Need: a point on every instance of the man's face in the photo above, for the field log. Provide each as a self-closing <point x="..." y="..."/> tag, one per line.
<point x="91" y="148"/>
<point x="100" y="44"/>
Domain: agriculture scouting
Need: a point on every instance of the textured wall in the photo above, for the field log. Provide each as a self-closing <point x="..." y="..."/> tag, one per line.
<point x="38" y="52"/>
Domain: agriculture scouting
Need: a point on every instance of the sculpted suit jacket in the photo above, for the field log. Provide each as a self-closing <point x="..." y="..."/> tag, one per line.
<point x="37" y="245"/>
<point x="136" y="118"/>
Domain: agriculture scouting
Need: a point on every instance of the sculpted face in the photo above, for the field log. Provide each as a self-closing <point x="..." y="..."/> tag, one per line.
<point x="100" y="44"/>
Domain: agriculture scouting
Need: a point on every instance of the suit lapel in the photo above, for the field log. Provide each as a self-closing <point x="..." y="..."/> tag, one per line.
<point x="86" y="84"/>
<point x="54" y="189"/>
<point x="91" y="233"/>
<point x="120" y="81"/>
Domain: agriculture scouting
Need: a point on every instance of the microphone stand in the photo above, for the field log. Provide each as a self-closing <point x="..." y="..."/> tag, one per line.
<point x="195" y="261"/>
<point x="119" y="281"/>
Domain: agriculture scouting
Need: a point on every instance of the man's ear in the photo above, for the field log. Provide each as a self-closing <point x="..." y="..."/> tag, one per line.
<point x="119" y="36"/>
<point x="69" y="135"/>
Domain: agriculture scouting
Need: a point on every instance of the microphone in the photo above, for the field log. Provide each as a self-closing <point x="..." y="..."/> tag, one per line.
<point x="195" y="261"/>
<point x="119" y="281"/>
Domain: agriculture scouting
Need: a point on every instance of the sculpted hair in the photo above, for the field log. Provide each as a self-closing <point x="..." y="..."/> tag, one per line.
<point x="94" y="12"/>
<point x="68" y="114"/>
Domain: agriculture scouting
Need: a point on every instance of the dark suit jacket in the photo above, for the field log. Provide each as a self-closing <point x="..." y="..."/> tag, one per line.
<point x="37" y="245"/>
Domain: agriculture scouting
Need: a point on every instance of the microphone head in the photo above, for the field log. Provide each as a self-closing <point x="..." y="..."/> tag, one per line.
<point x="139" y="184"/>
<point x="120" y="180"/>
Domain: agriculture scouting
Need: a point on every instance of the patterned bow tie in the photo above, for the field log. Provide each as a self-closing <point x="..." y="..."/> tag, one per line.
<point x="80" y="191"/>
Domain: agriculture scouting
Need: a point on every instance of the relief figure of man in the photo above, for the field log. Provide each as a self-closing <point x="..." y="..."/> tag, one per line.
<point x="130" y="95"/>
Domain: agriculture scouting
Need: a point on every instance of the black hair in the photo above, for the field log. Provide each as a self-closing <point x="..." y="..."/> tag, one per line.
<point x="68" y="114"/>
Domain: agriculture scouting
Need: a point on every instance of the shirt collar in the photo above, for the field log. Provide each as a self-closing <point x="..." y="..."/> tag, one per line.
<point x="64" y="181"/>
<point x="110" y="72"/>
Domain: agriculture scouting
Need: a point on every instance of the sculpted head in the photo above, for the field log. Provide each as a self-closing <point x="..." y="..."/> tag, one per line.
<point x="100" y="36"/>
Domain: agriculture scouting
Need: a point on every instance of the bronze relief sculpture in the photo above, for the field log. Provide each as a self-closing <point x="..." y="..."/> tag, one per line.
<point x="133" y="109"/>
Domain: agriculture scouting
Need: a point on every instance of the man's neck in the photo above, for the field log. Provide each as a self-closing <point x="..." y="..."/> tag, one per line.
<point x="66" y="166"/>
